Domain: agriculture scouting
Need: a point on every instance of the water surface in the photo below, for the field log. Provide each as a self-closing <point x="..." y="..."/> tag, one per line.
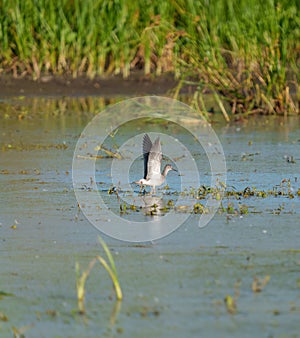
<point x="173" y="287"/>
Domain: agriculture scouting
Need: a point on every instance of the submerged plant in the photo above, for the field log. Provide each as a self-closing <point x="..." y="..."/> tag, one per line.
<point x="231" y="301"/>
<point x="82" y="277"/>
<point x="259" y="283"/>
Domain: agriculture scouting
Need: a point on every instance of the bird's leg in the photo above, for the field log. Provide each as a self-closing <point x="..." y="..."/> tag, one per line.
<point x="142" y="189"/>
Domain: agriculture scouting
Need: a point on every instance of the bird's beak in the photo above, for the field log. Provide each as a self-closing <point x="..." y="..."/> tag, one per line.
<point x="174" y="169"/>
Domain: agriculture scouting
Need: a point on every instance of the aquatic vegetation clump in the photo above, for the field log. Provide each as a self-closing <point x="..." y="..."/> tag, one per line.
<point x="233" y="202"/>
<point x="198" y="208"/>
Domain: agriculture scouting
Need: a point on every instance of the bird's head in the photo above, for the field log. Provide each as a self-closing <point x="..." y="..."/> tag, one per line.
<point x="167" y="168"/>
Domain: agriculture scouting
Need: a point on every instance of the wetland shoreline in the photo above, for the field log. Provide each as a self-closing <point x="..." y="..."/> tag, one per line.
<point x="137" y="84"/>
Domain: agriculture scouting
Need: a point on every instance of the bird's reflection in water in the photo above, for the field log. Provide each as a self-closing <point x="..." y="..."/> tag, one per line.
<point x="153" y="205"/>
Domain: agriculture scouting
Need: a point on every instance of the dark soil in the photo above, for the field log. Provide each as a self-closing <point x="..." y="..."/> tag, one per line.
<point x="61" y="86"/>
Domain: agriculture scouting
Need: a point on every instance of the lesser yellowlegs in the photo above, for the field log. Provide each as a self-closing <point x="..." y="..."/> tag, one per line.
<point x="152" y="164"/>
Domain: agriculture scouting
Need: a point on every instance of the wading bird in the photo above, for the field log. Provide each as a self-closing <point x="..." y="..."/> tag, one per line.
<point x="152" y="164"/>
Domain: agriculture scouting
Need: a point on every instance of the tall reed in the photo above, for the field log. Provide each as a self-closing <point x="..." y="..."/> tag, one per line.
<point x="109" y="266"/>
<point x="247" y="51"/>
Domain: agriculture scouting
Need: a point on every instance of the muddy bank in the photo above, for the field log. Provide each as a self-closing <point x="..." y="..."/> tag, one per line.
<point x="61" y="86"/>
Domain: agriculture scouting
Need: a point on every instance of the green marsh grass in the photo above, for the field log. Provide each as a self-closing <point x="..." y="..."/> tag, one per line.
<point x="246" y="52"/>
<point x="109" y="266"/>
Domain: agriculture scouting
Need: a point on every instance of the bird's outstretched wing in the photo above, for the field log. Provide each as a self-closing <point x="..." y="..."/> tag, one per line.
<point x="154" y="159"/>
<point x="147" y="145"/>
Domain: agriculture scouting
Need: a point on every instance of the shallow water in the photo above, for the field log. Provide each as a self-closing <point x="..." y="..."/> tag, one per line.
<point x="173" y="287"/>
